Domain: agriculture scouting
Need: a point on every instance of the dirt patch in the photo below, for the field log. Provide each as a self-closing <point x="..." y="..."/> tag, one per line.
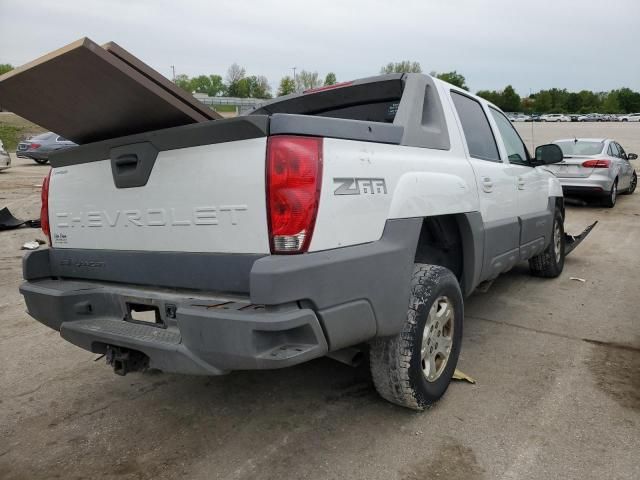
<point x="616" y="370"/>
<point x="452" y="461"/>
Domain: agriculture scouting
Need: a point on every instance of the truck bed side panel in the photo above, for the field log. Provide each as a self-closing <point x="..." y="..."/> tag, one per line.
<point x="364" y="184"/>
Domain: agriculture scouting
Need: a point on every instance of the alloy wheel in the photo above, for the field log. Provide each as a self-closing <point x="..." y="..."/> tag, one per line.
<point x="437" y="338"/>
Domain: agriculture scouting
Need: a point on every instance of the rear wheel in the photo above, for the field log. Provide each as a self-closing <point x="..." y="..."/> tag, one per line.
<point x="41" y="161"/>
<point x="414" y="368"/>
<point x="550" y="263"/>
<point x="610" y="200"/>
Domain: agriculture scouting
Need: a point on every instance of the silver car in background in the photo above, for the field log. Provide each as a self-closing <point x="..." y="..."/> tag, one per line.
<point x="39" y="148"/>
<point x="5" y="159"/>
<point x="595" y="167"/>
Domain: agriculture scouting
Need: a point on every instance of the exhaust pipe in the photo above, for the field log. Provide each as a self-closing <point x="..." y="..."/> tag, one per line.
<point x="349" y="356"/>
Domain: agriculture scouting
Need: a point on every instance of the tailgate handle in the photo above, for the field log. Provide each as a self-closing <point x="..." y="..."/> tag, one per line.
<point x="126" y="164"/>
<point x="131" y="164"/>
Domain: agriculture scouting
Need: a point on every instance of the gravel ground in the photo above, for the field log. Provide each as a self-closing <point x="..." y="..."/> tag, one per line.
<point x="557" y="364"/>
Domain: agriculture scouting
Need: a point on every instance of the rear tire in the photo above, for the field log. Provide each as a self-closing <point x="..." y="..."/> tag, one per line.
<point x="610" y="200"/>
<point x="549" y="264"/>
<point x="414" y="368"/>
<point x="41" y="161"/>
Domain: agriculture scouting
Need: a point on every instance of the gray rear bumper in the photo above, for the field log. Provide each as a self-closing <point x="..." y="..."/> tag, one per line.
<point x="208" y="335"/>
<point x="284" y="309"/>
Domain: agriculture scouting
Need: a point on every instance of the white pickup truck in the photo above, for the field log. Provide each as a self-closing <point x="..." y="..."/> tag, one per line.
<point x="321" y="222"/>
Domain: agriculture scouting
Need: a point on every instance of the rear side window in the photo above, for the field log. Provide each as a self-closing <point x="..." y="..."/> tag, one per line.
<point x="475" y="125"/>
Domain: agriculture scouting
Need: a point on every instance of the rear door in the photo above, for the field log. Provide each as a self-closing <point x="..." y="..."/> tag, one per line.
<point x="534" y="209"/>
<point x="496" y="187"/>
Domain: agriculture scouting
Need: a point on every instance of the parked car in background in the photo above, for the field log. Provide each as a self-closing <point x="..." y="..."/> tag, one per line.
<point x="39" y="147"/>
<point x="520" y="117"/>
<point x="5" y="159"/>
<point x="595" y="166"/>
<point x="574" y="117"/>
<point x="590" y="117"/>
<point x="632" y="117"/>
<point x="554" y="117"/>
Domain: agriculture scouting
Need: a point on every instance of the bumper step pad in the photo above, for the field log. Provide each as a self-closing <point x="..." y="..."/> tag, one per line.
<point x="113" y="328"/>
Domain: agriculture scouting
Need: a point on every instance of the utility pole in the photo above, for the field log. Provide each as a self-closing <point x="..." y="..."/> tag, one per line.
<point x="295" y="81"/>
<point x="533" y="142"/>
<point x="173" y="69"/>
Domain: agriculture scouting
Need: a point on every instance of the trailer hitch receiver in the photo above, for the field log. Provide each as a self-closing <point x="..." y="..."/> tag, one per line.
<point x="124" y="360"/>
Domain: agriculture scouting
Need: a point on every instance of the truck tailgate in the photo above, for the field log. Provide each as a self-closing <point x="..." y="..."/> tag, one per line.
<point x="202" y="198"/>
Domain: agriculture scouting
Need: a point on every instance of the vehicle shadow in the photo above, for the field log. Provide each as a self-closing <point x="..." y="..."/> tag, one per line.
<point x="156" y="420"/>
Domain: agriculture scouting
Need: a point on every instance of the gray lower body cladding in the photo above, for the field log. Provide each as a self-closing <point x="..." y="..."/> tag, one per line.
<point x="284" y="310"/>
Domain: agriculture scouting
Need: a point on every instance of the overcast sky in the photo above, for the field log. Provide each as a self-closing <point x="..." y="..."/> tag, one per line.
<point x="531" y="44"/>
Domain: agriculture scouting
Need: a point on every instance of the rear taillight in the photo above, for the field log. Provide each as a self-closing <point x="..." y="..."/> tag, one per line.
<point x="44" y="209"/>
<point x="294" y="173"/>
<point x="597" y="163"/>
<point x="33" y="146"/>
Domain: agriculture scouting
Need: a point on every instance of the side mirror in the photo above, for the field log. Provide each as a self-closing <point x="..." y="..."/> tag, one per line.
<point x="550" y="153"/>
<point x="632" y="156"/>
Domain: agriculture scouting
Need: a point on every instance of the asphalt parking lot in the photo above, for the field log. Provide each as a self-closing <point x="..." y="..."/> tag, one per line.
<point x="557" y="364"/>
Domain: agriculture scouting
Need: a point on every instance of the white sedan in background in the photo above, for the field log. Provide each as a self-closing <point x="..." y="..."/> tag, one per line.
<point x="632" y="117"/>
<point x="5" y="159"/>
<point x="595" y="167"/>
<point x="554" y="117"/>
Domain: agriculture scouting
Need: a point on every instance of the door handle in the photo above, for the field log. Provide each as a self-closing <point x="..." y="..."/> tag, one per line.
<point x="521" y="183"/>
<point x="487" y="185"/>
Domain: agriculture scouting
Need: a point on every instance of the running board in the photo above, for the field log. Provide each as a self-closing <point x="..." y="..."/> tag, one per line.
<point x="571" y="242"/>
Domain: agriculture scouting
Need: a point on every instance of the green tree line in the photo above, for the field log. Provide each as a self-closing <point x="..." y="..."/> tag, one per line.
<point x="554" y="100"/>
<point x="237" y="84"/>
